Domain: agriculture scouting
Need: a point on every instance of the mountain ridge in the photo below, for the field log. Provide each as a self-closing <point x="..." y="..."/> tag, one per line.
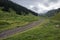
<point x="52" y="12"/>
<point x="6" y="4"/>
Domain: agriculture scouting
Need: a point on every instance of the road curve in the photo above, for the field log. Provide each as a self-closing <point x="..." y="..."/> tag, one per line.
<point x="7" y="33"/>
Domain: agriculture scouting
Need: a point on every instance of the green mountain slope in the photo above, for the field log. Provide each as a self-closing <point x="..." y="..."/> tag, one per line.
<point x="48" y="30"/>
<point x="9" y="20"/>
<point x="13" y="15"/>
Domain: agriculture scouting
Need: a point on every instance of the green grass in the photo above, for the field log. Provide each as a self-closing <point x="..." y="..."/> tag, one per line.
<point x="48" y="30"/>
<point x="56" y="17"/>
<point x="45" y="31"/>
<point x="10" y="20"/>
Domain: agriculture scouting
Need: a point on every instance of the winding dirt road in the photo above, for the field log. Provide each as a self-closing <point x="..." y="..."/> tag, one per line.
<point x="7" y="33"/>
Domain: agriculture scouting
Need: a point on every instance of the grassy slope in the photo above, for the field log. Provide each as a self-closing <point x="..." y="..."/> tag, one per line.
<point x="46" y="31"/>
<point x="9" y="20"/>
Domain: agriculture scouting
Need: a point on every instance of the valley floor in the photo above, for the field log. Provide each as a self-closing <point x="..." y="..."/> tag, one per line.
<point x="48" y="30"/>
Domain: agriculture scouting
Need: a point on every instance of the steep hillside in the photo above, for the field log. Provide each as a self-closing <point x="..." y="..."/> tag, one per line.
<point x="7" y="4"/>
<point x="9" y="20"/>
<point x="13" y="15"/>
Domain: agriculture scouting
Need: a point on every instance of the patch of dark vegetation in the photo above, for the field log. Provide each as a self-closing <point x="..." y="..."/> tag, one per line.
<point x="4" y="23"/>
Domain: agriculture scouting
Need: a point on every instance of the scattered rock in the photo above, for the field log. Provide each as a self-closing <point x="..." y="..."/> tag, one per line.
<point x="57" y="26"/>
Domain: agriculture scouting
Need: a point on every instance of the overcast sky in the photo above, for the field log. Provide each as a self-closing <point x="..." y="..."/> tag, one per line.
<point x="39" y="6"/>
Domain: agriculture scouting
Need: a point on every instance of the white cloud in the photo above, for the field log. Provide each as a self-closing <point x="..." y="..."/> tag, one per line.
<point x="40" y="6"/>
<point x="31" y="6"/>
<point x="43" y="8"/>
<point x="55" y="5"/>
